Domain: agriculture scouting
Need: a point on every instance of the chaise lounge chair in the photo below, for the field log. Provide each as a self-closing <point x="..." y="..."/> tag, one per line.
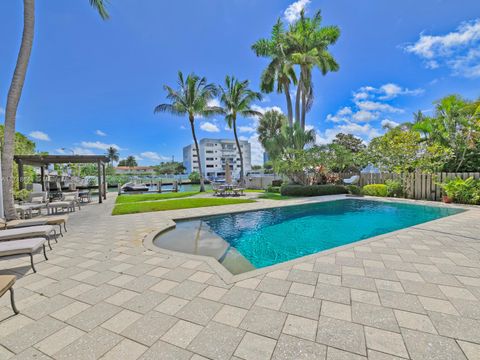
<point x="6" y="283"/>
<point x="23" y="247"/>
<point x="43" y="231"/>
<point x="352" y="180"/>
<point x="57" y="220"/>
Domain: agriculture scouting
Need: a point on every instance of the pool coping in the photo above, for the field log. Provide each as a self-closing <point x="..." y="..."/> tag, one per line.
<point x="230" y="278"/>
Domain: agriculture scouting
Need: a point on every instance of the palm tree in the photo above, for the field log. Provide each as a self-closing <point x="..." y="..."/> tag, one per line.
<point x="13" y="99"/>
<point x="280" y="69"/>
<point x="191" y="100"/>
<point x="113" y="154"/>
<point x="237" y="99"/>
<point x="308" y="43"/>
<point x="269" y="127"/>
<point x="130" y="161"/>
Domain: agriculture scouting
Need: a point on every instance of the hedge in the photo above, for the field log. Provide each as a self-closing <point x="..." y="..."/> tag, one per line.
<point x="312" y="190"/>
<point x="273" y="189"/>
<point x="375" y="190"/>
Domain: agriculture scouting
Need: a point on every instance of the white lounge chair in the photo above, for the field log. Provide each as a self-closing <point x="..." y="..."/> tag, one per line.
<point x="23" y="247"/>
<point x="56" y="220"/>
<point x="352" y="180"/>
<point x="44" y="231"/>
<point x="6" y="283"/>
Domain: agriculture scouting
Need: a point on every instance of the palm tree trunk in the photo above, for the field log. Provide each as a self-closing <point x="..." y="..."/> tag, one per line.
<point x="13" y="99"/>
<point x="234" y="122"/>
<point x="286" y="89"/>
<point x="297" y="101"/>
<point x="304" y="109"/>
<point x="200" y="172"/>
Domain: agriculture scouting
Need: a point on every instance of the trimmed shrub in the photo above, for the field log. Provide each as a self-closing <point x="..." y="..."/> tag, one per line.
<point x="276" y="183"/>
<point x="354" y="189"/>
<point x="194" y="177"/>
<point x="375" y="190"/>
<point x="274" y="189"/>
<point x="394" y="188"/>
<point x="312" y="190"/>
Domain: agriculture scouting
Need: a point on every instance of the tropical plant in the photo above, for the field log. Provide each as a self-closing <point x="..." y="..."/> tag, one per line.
<point x="350" y="142"/>
<point x="130" y="161"/>
<point x="113" y="155"/>
<point x="307" y="43"/>
<point x="375" y="190"/>
<point x="13" y="99"/>
<point x="395" y="188"/>
<point x="463" y="191"/>
<point x="280" y="70"/>
<point x="194" y="177"/>
<point x="269" y="127"/>
<point x="191" y="99"/>
<point x="237" y="100"/>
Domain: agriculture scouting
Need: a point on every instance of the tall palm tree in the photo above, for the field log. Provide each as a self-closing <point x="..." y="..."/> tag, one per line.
<point x="308" y="44"/>
<point x="13" y="99"/>
<point x="130" y="161"/>
<point x="269" y="127"/>
<point x="280" y="69"/>
<point x="237" y="99"/>
<point x="113" y="154"/>
<point x="191" y="100"/>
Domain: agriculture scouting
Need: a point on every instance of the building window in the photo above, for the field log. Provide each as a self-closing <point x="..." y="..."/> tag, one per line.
<point x="209" y="152"/>
<point x="210" y="166"/>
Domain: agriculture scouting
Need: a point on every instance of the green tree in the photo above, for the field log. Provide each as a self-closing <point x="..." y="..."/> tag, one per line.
<point x="130" y="161"/>
<point x="113" y="155"/>
<point x="270" y="126"/>
<point x="350" y="142"/>
<point x="13" y="99"/>
<point x="191" y="100"/>
<point x="280" y="70"/>
<point x="307" y="44"/>
<point x="170" y="168"/>
<point x="237" y="100"/>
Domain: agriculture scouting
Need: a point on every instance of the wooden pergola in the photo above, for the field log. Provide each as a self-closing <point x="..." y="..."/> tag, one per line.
<point x="43" y="161"/>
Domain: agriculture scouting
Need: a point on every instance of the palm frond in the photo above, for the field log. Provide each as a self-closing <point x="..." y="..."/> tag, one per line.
<point x="99" y="5"/>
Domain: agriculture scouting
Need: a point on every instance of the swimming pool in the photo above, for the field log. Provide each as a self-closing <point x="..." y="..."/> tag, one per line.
<point x="271" y="236"/>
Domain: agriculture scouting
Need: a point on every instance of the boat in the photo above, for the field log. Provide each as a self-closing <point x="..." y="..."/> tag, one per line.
<point x="134" y="187"/>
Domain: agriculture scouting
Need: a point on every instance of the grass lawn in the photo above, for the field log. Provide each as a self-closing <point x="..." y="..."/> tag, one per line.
<point x="274" y="196"/>
<point x="125" y="199"/>
<point x="140" y="207"/>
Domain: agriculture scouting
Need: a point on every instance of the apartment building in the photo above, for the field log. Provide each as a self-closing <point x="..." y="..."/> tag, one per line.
<point x="214" y="154"/>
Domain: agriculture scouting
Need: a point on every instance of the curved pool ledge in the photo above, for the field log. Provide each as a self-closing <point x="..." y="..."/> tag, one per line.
<point x="229" y="278"/>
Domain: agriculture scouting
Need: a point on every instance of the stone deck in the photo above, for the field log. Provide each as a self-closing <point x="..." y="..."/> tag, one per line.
<point x="412" y="294"/>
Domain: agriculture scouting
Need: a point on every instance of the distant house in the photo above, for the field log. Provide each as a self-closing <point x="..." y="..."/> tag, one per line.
<point x="139" y="170"/>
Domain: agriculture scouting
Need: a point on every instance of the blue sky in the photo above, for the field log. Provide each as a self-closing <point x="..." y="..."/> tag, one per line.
<point x="92" y="84"/>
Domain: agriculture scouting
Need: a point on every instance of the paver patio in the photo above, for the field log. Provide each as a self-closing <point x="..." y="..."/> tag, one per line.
<point x="412" y="294"/>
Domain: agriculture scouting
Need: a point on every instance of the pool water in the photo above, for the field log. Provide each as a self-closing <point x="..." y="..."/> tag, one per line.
<point x="272" y="236"/>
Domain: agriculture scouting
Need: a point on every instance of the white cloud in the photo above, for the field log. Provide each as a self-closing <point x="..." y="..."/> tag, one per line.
<point x="81" y="151"/>
<point x="364" y="116"/>
<point x="247" y="129"/>
<point x="2" y="111"/>
<point x="39" y="135"/>
<point x="389" y="123"/>
<point x="263" y="109"/>
<point x="385" y="92"/>
<point x="209" y="127"/>
<point x="377" y="106"/>
<point x="183" y="127"/>
<point x="457" y="50"/>
<point x="292" y="13"/>
<point x="365" y="132"/>
<point x="213" y="102"/>
<point x="152" y="155"/>
<point x="98" y="145"/>
<point x="100" y="133"/>
<point x="256" y="150"/>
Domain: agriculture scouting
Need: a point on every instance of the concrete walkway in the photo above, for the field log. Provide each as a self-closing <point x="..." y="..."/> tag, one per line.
<point x="413" y="294"/>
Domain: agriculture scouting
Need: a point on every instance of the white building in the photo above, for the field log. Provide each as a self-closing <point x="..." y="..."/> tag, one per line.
<point x="214" y="154"/>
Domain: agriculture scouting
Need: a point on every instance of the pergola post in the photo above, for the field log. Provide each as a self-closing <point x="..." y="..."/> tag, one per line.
<point x="99" y="164"/>
<point x="104" y="182"/>
<point x="21" y="180"/>
<point x="42" y="175"/>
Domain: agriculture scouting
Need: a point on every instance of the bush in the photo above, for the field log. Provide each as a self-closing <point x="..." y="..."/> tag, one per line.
<point x="375" y="190"/>
<point x="463" y="191"/>
<point x="194" y="177"/>
<point x="276" y="183"/>
<point x="312" y="190"/>
<point x="354" y="189"/>
<point x="21" y="195"/>
<point x="394" y="188"/>
<point x="273" y="189"/>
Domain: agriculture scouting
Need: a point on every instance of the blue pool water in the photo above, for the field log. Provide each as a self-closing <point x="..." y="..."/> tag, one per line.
<point x="267" y="237"/>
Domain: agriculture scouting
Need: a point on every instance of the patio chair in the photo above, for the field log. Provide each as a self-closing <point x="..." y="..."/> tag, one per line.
<point x="6" y="284"/>
<point x="56" y="220"/>
<point x="36" y="202"/>
<point x="238" y="191"/>
<point x="23" y="247"/>
<point x="72" y="197"/>
<point x="352" y="180"/>
<point x="43" y="231"/>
